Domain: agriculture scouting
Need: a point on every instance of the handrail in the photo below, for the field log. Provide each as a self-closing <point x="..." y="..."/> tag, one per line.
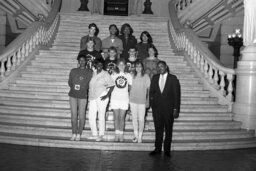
<point x="214" y="75"/>
<point x="38" y="34"/>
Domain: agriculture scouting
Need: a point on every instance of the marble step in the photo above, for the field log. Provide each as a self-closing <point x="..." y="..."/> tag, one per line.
<point x="60" y="77"/>
<point x="186" y="91"/>
<point x="65" y="113"/>
<point x="66" y="123"/>
<point x="73" y="63"/>
<point x="48" y="141"/>
<point x="174" y="69"/>
<point x="85" y="16"/>
<point x="109" y="135"/>
<point x="180" y="71"/>
<point x="62" y="104"/>
<point x="42" y="81"/>
<point x="20" y="100"/>
<point x="36" y="95"/>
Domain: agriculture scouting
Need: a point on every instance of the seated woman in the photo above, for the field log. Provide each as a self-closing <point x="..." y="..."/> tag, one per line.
<point x="78" y="82"/>
<point x="93" y="33"/>
<point x="112" y="40"/>
<point x="145" y="42"/>
<point x="110" y="62"/>
<point x="128" y="39"/>
<point x="90" y="53"/>
<point x="100" y="88"/>
<point x="150" y="63"/>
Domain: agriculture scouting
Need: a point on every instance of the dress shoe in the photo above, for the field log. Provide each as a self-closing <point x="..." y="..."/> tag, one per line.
<point x="167" y="153"/>
<point x="154" y="153"/>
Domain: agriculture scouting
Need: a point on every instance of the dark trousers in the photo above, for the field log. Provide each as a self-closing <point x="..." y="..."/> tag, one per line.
<point x="163" y="121"/>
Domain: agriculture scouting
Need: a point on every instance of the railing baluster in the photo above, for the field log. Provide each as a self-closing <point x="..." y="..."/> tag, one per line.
<point x="2" y="70"/>
<point x="205" y="69"/>
<point x="230" y="78"/>
<point x="14" y="61"/>
<point x="222" y="84"/>
<point x="216" y="79"/>
<point x="210" y="74"/>
<point x="9" y="64"/>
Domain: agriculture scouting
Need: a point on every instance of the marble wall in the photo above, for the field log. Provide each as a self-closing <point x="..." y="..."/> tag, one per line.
<point x="2" y="29"/>
<point x="160" y="8"/>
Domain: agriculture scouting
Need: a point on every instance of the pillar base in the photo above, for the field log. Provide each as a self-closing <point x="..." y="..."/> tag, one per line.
<point x="244" y="108"/>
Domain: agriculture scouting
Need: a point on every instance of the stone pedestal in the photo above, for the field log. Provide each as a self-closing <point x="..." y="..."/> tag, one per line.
<point x="244" y="108"/>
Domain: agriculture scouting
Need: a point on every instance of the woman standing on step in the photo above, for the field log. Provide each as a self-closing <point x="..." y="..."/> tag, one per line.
<point x="120" y="98"/>
<point x="78" y="82"/>
<point x="139" y="100"/>
<point x="112" y="40"/>
<point x="100" y="88"/>
<point x="143" y="46"/>
<point x="128" y="39"/>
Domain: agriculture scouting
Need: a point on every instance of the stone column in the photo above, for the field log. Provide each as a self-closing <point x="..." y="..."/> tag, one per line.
<point x="2" y="29"/>
<point x="135" y="7"/>
<point x="244" y="108"/>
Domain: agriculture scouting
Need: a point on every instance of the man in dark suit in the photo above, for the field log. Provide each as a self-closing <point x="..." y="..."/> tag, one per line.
<point x="164" y="97"/>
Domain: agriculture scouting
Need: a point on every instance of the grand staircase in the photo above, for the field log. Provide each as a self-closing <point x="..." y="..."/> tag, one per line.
<point x="34" y="109"/>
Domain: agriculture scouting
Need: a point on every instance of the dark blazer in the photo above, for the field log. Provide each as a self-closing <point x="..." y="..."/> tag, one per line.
<point x="167" y="100"/>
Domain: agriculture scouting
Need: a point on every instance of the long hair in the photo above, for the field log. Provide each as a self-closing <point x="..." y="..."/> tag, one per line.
<point x="118" y="62"/>
<point x="142" y="66"/>
<point x="154" y="48"/>
<point x="96" y="28"/>
<point x="150" y="40"/>
<point x="117" y="30"/>
<point x="126" y="25"/>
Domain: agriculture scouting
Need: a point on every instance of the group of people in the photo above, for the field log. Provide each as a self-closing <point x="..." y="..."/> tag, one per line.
<point x="120" y="74"/>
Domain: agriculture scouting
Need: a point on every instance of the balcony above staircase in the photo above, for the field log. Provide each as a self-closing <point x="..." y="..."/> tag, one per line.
<point x="34" y="107"/>
<point x="204" y="15"/>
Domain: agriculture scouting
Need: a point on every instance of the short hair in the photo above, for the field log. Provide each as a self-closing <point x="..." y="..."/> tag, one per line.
<point x="164" y="63"/>
<point x="150" y="40"/>
<point x="90" y="39"/>
<point x="113" y="25"/>
<point x="112" y="48"/>
<point x="133" y="47"/>
<point x="96" y="28"/>
<point x="99" y="60"/>
<point x="80" y="55"/>
<point x="126" y="25"/>
<point x="154" y="48"/>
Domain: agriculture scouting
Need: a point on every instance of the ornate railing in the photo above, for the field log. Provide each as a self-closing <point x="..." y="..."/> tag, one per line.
<point x="182" y="4"/>
<point x="216" y="77"/>
<point x="39" y="33"/>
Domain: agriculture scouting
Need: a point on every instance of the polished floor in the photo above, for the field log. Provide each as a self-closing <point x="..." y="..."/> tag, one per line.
<point x="27" y="158"/>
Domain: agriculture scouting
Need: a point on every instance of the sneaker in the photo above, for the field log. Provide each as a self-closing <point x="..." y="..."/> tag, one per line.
<point x="78" y="137"/>
<point x="116" y="138"/>
<point x="121" y="137"/>
<point x="73" y="137"/>
<point x="99" y="138"/>
<point x="139" y="140"/>
<point x="134" y="140"/>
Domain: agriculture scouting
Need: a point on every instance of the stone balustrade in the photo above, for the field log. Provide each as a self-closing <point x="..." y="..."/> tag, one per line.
<point x="182" y="4"/>
<point x="219" y="79"/>
<point x="39" y="33"/>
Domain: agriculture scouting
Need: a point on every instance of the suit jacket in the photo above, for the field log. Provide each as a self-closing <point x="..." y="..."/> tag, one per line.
<point x="167" y="100"/>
